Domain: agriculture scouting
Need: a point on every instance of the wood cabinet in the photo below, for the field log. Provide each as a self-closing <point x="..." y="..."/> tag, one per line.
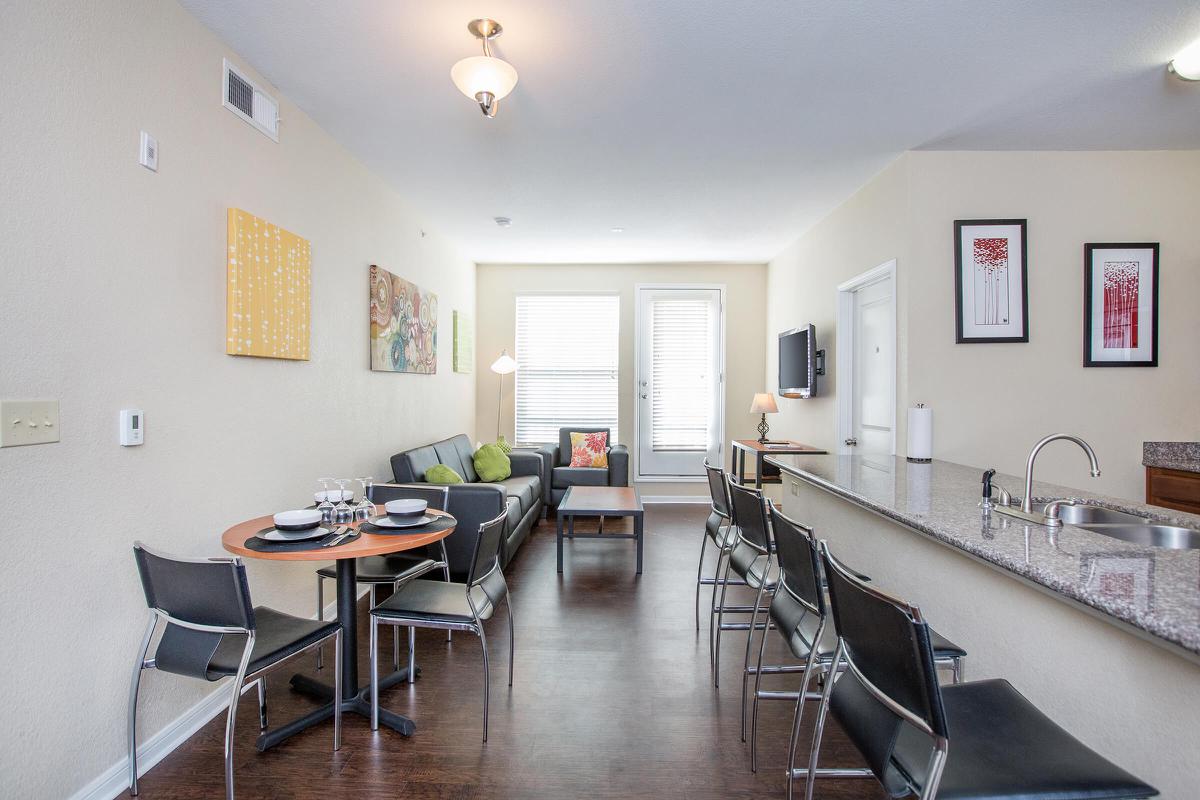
<point x="1173" y="488"/>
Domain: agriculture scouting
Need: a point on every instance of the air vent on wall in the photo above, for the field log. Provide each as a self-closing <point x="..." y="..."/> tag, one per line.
<point x="241" y="96"/>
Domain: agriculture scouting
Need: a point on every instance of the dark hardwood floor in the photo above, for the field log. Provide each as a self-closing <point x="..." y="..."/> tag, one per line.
<point x="612" y="698"/>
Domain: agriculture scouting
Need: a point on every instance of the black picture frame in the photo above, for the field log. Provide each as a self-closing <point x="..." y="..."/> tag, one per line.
<point x="1090" y="308"/>
<point x="959" y="336"/>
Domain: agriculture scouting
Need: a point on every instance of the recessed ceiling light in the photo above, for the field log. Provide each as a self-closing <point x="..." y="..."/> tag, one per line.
<point x="1186" y="64"/>
<point x="503" y="222"/>
<point x="617" y="230"/>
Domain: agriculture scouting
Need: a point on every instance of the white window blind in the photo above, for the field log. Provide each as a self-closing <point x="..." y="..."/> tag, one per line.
<point x="566" y="364"/>
<point x="682" y="378"/>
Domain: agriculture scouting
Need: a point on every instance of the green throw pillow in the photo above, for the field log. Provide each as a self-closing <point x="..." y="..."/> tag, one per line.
<point x="503" y="444"/>
<point x="441" y="475"/>
<point x="492" y="463"/>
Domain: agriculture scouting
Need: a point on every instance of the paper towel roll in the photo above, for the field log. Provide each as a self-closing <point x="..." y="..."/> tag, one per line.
<point x="920" y="433"/>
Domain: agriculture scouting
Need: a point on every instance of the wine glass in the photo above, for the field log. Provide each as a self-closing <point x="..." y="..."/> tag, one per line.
<point x="365" y="508"/>
<point x="341" y="512"/>
<point x="325" y="506"/>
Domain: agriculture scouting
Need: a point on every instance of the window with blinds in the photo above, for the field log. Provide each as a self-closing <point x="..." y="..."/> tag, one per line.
<point x="566" y="364"/>
<point x="682" y="382"/>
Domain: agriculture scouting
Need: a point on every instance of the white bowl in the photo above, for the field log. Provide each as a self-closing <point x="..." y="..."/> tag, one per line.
<point x="334" y="495"/>
<point x="405" y="507"/>
<point x="297" y="520"/>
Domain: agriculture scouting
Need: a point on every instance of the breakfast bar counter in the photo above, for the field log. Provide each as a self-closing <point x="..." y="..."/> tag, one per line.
<point x="1102" y="634"/>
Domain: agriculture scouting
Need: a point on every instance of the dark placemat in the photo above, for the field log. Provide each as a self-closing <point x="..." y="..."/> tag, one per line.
<point x="266" y="546"/>
<point x="441" y="523"/>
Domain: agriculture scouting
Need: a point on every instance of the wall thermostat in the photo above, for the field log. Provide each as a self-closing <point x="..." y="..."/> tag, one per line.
<point x="133" y="427"/>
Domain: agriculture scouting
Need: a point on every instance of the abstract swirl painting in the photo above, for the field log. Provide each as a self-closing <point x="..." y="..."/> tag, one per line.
<point x="404" y="321"/>
<point x="268" y="306"/>
<point x="1120" y="323"/>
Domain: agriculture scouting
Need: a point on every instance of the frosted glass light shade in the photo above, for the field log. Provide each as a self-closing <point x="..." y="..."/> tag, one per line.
<point x="1187" y="63"/>
<point x="504" y="365"/>
<point x="764" y="403"/>
<point x="479" y="74"/>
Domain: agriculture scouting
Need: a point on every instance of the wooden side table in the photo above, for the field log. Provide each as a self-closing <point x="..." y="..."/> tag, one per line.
<point x="743" y="446"/>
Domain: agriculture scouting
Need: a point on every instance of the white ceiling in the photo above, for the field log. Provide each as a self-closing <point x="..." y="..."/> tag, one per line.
<point x="710" y="130"/>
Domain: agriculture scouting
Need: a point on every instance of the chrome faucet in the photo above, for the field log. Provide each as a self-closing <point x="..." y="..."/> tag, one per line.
<point x="1027" y="501"/>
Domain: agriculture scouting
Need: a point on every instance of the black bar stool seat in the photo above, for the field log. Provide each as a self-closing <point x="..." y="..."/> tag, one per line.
<point x="435" y="601"/>
<point x="1004" y="747"/>
<point x="751" y="564"/>
<point x="279" y="636"/>
<point x="383" y="569"/>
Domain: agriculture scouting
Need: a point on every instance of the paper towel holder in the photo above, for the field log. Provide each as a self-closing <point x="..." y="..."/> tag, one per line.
<point x="912" y="460"/>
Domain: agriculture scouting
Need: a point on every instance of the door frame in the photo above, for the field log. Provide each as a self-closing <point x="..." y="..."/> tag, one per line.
<point x="845" y="349"/>
<point x="637" y="371"/>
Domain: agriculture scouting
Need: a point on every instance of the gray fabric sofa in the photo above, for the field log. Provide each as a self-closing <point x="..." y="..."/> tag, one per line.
<point x="472" y="503"/>
<point x="562" y="475"/>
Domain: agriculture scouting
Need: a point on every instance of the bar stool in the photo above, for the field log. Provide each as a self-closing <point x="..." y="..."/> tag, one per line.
<point x="891" y="706"/>
<point x="718" y="529"/>
<point x="799" y="611"/>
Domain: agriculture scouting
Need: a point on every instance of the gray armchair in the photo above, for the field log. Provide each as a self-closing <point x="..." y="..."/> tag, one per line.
<point x="561" y="475"/>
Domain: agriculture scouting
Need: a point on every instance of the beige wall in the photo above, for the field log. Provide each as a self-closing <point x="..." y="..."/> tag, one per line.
<point x="992" y="402"/>
<point x="745" y="291"/>
<point x="114" y="297"/>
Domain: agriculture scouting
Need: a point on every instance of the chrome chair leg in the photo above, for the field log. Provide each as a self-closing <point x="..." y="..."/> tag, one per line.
<point x="712" y="612"/>
<point x="720" y="624"/>
<point x="374" y="651"/>
<point x="412" y="653"/>
<point x="239" y="681"/>
<point x="819" y="730"/>
<point x="446" y="575"/>
<point x="134" y="684"/>
<point x="337" y="690"/>
<point x="262" y="703"/>
<point x="750" y="641"/>
<point x="486" y="678"/>
<point x="320" y="618"/>
<point x="511" y="638"/>
<point x="699" y="575"/>
<point x="762" y="646"/>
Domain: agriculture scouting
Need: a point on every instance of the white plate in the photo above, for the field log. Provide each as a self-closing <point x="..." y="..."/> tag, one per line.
<point x="384" y="521"/>
<point x="295" y="536"/>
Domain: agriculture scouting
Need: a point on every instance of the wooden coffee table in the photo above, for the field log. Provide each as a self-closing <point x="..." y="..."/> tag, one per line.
<point x="600" y="501"/>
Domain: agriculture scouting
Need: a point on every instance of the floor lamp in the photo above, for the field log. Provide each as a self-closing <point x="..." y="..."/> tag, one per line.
<point x="502" y="366"/>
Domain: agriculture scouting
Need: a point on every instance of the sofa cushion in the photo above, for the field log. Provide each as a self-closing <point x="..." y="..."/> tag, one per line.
<point x="421" y="459"/>
<point x="442" y="475"/>
<point x="579" y="476"/>
<point x="492" y="464"/>
<point x="514" y="515"/>
<point x="448" y="454"/>
<point x="465" y="454"/>
<point x="526" y="488"/>
<point x="589" y="449"/>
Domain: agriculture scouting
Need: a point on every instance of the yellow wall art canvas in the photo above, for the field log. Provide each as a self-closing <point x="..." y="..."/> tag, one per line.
<point x="268" y="307"/>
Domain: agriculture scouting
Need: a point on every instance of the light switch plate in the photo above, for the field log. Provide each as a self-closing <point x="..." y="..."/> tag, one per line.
<point x="28" y="422"/>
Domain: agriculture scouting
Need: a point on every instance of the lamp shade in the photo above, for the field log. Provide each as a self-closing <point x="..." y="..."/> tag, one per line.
<point x="764" y="403"/>
<point x="484" y="74"/>
<point x="504" y="365"/>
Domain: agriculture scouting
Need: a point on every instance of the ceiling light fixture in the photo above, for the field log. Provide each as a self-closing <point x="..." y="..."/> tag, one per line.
<point x="1186" y="65"/>
<point x="503" y="222"/>
<point x="485" y="79"/>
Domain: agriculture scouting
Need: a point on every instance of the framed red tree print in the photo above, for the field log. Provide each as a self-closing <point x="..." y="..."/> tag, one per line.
<point x="991" y="299"/>
<point x="1120" y="305"/>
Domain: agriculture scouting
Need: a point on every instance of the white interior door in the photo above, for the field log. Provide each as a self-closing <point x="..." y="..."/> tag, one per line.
<point x="867" y="363"/>
<point x="679" y="381"/>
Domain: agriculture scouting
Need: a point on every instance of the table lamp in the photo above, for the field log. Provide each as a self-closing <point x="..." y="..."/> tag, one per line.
<point x="763" y="403"/>
<point x="504" y="365"/>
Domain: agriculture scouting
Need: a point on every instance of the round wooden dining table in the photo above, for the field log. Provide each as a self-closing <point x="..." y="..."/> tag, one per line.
<point x="354" y="697"/>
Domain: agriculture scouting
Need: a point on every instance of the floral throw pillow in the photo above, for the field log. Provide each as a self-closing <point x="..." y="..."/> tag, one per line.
<point x="589" y="449"/>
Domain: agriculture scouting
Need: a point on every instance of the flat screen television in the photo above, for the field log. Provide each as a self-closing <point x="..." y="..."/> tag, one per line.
<point x="797" y="362"/>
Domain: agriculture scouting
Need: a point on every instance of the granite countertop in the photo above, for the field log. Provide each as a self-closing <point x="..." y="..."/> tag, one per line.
<point x="1153" y="589"/>
<point x="1172" y="455"/>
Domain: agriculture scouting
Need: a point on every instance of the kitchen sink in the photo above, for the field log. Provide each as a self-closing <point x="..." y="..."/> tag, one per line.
<point x="1152" y="535"/>
<point x="1084" y="515"/>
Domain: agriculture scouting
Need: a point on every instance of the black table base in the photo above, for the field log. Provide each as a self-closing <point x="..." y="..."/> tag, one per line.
<point x="356" y="699"/>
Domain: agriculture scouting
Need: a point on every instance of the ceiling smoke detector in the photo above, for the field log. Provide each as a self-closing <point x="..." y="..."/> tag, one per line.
<point x="503" y="222"/>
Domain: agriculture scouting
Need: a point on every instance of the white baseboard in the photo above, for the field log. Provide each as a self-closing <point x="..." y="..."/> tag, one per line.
<point x="676" y="498"/>
<point x="114" y="781"/>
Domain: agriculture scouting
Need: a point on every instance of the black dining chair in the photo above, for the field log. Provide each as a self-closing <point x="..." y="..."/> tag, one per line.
<point x="800" y="613"/>
<point x="891" y="706"/>
<point x="391" y="569"/>
<point x="718" y="529"/>
<point x="211" y="631"/>
<point x="450" y="606"/>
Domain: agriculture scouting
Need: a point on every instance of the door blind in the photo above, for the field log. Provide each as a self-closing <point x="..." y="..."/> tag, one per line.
<point x="566" y="364"/>
<point x="681" y="370"/>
